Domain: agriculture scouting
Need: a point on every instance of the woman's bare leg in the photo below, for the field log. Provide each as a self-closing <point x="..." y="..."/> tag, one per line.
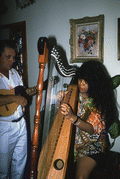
<point x="84" y="167"/>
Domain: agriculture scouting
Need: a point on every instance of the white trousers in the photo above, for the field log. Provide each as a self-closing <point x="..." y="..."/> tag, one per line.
<point x="13" y="149"/>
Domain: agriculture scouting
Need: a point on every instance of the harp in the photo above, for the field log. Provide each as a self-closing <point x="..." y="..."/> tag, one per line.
<point x="54" y="155"/>
<point x="52" y="137"/>
<point x="57" y="132"/>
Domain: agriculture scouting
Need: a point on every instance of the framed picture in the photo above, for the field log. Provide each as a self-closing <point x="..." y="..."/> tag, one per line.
<point x="86" y="39"/>
<point x="118" y="38"/>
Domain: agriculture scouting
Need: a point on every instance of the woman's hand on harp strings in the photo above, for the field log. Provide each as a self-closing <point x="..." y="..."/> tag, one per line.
<point x="61" y="95"/>
<point x="67" y="111"/>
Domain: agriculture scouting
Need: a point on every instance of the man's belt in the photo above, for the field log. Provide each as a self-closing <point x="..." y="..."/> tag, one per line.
<point x="15" y="120"/>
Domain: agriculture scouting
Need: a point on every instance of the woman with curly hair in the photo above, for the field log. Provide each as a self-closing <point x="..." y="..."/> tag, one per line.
<point x="96" y="111"/>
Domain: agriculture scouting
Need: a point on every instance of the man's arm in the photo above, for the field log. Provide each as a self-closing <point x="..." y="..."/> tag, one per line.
<point x="7" y="99"/>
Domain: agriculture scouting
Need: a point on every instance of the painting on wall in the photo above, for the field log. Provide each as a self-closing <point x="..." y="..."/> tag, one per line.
<point x="86" y="39"/>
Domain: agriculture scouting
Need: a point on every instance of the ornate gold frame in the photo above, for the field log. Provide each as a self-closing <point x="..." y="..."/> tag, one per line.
<point x="119" y="39"/>
<point x="78" y="25"/>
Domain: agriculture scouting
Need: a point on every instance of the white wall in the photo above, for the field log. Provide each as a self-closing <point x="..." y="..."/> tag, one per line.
<point x="50" y="18"/>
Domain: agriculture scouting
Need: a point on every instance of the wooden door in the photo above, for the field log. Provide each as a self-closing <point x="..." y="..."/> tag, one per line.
<point x="17" y="32"/>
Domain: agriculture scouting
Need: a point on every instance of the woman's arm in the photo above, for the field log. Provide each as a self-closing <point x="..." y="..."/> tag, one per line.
<point x="85" y="126"/>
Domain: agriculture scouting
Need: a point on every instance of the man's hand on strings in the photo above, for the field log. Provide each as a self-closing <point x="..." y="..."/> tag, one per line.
<point x="20" y="100"/>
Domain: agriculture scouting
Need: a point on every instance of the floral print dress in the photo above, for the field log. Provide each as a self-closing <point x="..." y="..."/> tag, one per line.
<point x="86" y="144"/>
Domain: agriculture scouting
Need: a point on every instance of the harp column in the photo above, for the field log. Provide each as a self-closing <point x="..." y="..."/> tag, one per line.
<point x="42" y="59"/>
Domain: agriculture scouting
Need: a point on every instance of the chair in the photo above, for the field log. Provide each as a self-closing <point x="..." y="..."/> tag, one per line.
<point x="110" y="169"/>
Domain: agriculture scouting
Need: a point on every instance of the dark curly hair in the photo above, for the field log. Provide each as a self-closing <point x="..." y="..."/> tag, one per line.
<point x="100" y="87"/>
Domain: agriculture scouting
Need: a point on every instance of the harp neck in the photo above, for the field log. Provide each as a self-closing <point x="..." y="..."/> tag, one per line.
<point x="65" y="71"/>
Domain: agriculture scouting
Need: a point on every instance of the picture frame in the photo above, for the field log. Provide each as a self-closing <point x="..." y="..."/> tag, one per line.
<point x="86" y="39"/>
<point x="118" y="39"/>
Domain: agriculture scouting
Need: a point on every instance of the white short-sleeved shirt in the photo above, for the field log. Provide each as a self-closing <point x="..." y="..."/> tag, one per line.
<point x="5" y="83"/>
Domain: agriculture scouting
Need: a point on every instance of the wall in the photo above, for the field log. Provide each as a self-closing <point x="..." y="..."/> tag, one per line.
<point x="50" y="18"/>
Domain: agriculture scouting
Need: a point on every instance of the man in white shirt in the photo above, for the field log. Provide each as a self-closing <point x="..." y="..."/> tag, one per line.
<point x="13" y="132"/>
